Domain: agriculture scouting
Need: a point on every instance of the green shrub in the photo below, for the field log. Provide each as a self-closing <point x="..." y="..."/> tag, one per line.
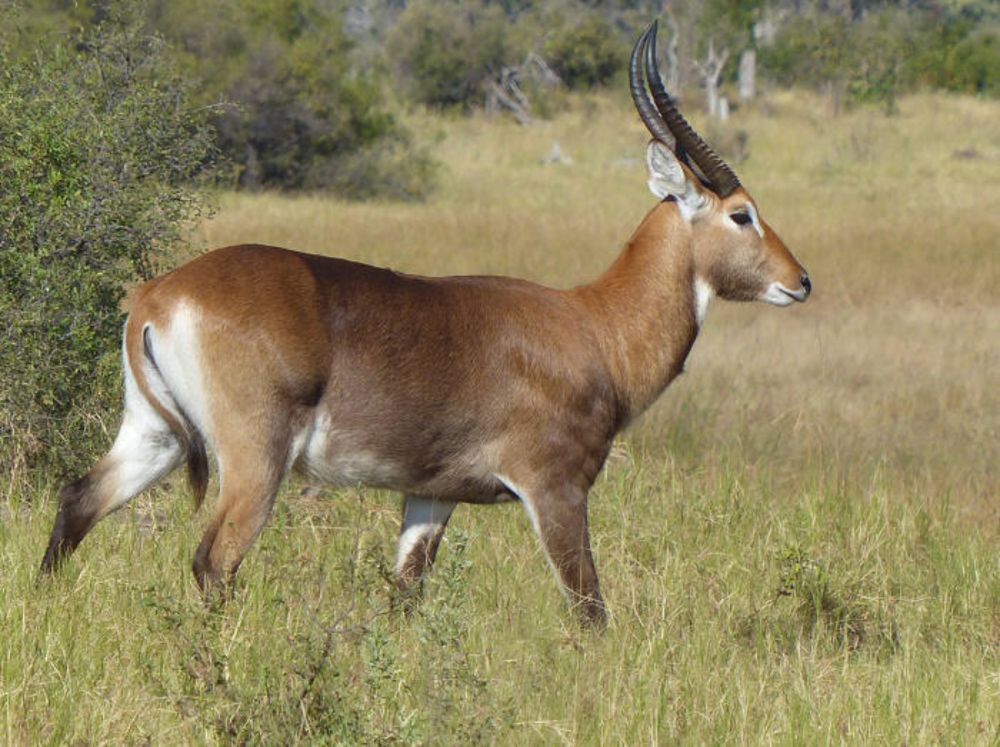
<point x="588" y="53"/>
<point x="445" y="50"/>
<point x="973" y="65"/>
<point x="305" y="114"/>
<point x="886" y="52"/>
<point x="809" y="51"/>
<point x="296" y="100"/>
<point x="98" y="147"/>
<point x="880" y="46"/>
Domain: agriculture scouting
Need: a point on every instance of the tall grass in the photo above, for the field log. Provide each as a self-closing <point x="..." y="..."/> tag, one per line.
<point x="798" y="544"/>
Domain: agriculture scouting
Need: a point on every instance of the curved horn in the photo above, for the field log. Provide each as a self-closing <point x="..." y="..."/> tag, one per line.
<point x="637" y="85"/>
<point x="720" y="176"/>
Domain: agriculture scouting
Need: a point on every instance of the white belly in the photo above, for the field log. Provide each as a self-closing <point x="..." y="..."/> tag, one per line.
<point x="326" y="453"/>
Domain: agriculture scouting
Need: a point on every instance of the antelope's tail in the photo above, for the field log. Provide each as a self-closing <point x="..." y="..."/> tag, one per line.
<point x="140" y="342"/>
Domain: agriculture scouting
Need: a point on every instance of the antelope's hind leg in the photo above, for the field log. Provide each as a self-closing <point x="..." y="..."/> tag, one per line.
<point x="424" y="522"/>
<point x="249" y="481"/>
<point x="145" y="450"/>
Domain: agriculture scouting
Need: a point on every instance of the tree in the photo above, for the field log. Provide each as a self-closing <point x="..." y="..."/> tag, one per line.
<point x="711" y="72"/>
<point x="301" y="112"/>
<point x="445" y="51"/>
<point x="99" y="147"/>
<point x="812" y="50"/>
<point x="587" y="53"/>
<point x="727" y="25"/>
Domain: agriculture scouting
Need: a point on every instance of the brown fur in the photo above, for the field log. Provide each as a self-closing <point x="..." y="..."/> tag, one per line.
<point x="471" y="389"/>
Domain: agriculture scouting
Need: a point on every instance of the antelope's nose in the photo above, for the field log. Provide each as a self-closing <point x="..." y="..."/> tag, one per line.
<point x="806" y="283"/>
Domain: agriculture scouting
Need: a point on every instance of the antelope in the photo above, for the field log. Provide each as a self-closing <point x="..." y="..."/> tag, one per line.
<point x="449" y="390"/>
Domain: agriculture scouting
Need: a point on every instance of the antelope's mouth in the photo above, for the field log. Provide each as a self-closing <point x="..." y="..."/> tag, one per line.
<point x="779" y="295"/>
<point x="800" y="295"/>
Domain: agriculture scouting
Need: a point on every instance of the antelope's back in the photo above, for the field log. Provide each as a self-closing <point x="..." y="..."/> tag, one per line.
<point x="376" y="376"/>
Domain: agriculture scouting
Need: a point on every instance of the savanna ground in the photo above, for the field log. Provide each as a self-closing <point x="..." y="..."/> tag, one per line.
<point x="798" y="543"/>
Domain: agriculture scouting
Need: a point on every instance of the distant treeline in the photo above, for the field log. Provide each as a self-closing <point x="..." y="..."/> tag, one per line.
<point x="111" y="115"/>
<point x="303" y="91"/>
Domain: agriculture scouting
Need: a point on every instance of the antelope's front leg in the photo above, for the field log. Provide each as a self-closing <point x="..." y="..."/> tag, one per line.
<point x="424" y="520"/>
<point x="559" y="517"/>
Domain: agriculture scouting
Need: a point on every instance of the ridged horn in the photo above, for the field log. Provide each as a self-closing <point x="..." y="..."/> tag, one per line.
<point x="637" y="85"/>
<point x="720" y="177"/>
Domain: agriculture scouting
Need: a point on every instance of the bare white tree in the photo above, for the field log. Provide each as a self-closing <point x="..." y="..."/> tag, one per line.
<point x="673" y="57"/>
<point x="748" y="75"/>
<point x="711" y="72"/>
<point x="504" y="92"/>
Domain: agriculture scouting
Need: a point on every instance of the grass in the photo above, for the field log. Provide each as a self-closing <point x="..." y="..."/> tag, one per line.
<point x="798" y="543"/>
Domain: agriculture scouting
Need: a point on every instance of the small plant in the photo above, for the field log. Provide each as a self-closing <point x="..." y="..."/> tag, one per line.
<point x="461" y="703"/>
<point x="812" y="587"/>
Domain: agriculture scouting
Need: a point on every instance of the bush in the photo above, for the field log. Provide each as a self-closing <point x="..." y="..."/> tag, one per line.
<point x="886" y="52"/>
<point x="304" y="114"/>
<point x="881" y="44"/>
<point x="295" y="99"/>
<point x="445" y="51"/>
<point x="809" y="51"/>
<point x="588" y="53"/>
<point x="98" y="147"/>
<point x="863" y="59"/>
<point x="973" y="65"/>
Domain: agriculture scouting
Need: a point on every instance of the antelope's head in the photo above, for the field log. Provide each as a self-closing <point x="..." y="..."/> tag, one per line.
<point x="736" y="253"/>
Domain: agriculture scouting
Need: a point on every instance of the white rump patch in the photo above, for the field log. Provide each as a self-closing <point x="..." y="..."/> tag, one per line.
<point x="177" y="353"/>
<point x="144" y="450"/>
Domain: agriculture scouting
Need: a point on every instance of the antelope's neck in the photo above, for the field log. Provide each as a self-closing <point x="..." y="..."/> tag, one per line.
<point x="647" y="308"/>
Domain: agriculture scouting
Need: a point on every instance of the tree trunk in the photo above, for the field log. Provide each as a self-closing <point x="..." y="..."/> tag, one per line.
<point x="711" y="96"/>
<point x="748" y="75"/>
<point x="711" y="73"/>
<point x="673" y="81"/>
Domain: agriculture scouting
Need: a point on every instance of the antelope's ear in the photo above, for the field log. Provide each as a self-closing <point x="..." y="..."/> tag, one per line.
<point x="668" y="178"/>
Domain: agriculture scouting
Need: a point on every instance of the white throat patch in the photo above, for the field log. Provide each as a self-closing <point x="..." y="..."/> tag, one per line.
<point x="703" y="293"/>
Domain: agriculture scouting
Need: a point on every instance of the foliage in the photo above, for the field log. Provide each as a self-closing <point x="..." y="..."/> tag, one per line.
<point x="738" y="608"/>
<point x="809" y="50"/>
<point x="879" y="46"/>
<point x="973" y="65"/>
<point x="349" y="675"/>
<point x="587" y="53"/>
<point x="303" y="112"/>
<point x="98" y="147"/>
<point x="886" y="52"/>
<point x="728" y="24"/>
<point x="445" y="50"/>
<point x="306" y="83"/>
<point x="863" y="60"/>
<point x="842" y="452"/>
<point x="295" y="102"/>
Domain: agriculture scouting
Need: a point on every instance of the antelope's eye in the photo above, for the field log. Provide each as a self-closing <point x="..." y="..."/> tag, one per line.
<point x="741" y="219"/>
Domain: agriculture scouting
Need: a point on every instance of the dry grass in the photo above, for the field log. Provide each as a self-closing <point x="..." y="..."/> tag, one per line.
<point x="894" y="361"/>
<point x="798" y="544"/>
